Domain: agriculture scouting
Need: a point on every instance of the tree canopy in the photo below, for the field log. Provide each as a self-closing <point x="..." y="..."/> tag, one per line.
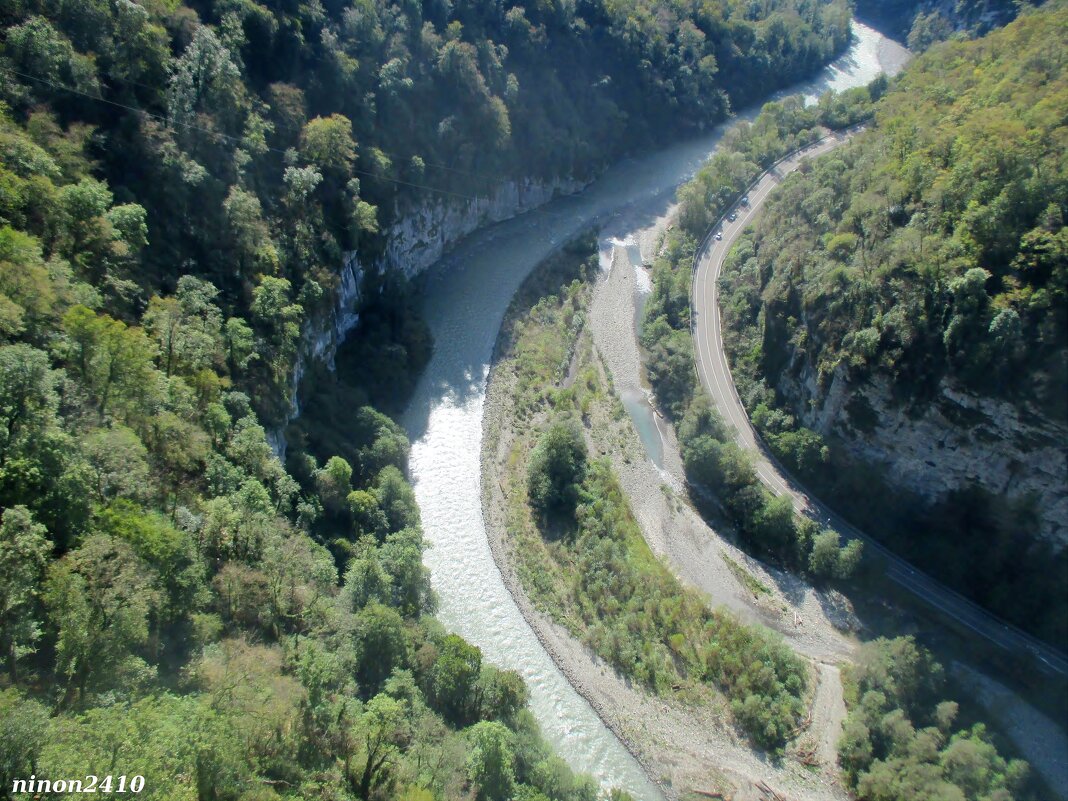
<point x="927" y="256"/>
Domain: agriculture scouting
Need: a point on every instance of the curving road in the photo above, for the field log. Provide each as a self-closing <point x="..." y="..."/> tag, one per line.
<point x="714" y="371"/>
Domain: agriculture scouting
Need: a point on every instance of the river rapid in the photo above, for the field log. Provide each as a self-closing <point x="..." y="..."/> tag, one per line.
<point x="465" y="298"/>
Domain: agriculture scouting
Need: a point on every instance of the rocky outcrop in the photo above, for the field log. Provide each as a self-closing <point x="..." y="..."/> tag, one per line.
<point x="955" y="440"/>
<point x="425" y="230"/>
<point x="422" y="233"/>
<point x="322" y="336"/>
<point x="896" y="17"/>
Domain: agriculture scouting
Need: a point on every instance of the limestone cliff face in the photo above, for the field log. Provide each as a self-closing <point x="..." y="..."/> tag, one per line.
<point x="974" y="16"/>
<point x="425" y="230"/>
<point x="322" y="336"/>
<point x="955" y="440"/>
<point x="422" y="233"/>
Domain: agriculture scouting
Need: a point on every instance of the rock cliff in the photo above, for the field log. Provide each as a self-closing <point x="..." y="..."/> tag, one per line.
<point x="422" y="233"/>
<point x="896" y="17"/>
<point x="954" y="440"/>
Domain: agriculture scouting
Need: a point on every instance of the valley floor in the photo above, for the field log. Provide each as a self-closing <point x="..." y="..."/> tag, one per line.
<point x="687" y="748"/>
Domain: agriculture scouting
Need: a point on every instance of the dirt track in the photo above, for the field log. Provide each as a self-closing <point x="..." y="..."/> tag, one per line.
<point x="682" y="747"/>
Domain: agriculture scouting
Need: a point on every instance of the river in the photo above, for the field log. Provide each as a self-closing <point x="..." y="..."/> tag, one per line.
<point x="465" y="297"/>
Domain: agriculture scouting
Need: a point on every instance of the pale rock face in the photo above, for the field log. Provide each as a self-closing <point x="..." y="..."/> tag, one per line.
<point x="955" y="440"/>
<point x="322" y="336"/>
<point x="977" y="15"/>
<point x="424" y="231"/>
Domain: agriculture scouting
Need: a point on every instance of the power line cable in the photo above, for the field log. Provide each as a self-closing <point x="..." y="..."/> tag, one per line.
<point x="218" y="134"/>
<point x="227" y="137"/>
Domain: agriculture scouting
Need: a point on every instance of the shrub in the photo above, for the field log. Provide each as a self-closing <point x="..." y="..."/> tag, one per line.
<point x="557" y="467"/>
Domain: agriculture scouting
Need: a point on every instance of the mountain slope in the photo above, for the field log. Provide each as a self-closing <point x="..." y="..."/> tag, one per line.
<point x="906" y="300"/>
<point x="179" y="184"/>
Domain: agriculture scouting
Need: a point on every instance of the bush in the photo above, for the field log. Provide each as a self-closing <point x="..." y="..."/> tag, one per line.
<point x="557" y="467"/>
<point x="828" y="560"/>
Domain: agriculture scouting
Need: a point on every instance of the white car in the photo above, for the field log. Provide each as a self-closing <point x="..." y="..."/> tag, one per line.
<point x="719" y="236"/>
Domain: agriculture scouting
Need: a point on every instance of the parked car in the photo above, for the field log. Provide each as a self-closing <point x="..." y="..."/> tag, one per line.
<point x="745" y="200"/>
<point x="719" y="235"/>
<point x="732" y="216"/>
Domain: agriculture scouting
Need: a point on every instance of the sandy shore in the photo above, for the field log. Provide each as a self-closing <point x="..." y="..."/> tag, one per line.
<point x="812" y="621"/>
<point x="682" y="747"/>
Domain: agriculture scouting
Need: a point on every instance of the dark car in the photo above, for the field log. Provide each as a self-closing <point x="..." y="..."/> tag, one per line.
<point x="732" y="217"/>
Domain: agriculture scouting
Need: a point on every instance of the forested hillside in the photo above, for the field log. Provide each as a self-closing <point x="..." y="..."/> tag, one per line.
<point x="792" y="283"/>
<point x="266" y="140"/>
<point x="173" y="603"/>
<point x="178" y="185"/>
<point x="713" y="460"/>
<point x="906" y="297"/>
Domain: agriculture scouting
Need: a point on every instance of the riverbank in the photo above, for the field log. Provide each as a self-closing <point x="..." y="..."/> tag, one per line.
<point x="817" y="623"/>
<point x="465" y="297"/>
<point x="684" y="743"/>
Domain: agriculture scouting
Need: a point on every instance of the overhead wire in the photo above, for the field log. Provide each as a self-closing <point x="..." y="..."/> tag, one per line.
<point x="169" y="123"/>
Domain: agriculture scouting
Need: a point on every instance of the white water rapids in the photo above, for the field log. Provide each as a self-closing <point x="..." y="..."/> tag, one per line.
<point x="466" y="295"/>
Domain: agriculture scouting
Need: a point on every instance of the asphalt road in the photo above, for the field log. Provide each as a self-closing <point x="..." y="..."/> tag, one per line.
<point x="715" y="375"/>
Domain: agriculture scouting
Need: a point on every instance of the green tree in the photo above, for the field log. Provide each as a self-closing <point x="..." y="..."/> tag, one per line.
<point x="365" y="578"/>
<point x="114" y="360"/>
<point x="502" y="695"/>
<point x="396" y="499"/>
<point x="828" y="560"/>
<point x="25" y="283"/>
<point x="186" y="327"/>
<point x="386" y="731"/>
<point x="99" y="600"/>
<point x="367" y="515"/>
<point x="39" y="463"/>
<point x="772" y="526"/>
<point x="402" y="559"/>
<point x="383" y="645"/>
<point x="557" y="466"/>
<point x="22" y="737"/>
<point x="28" y="399"/>
<point x="491" y="764"/>
<point x="177" y="570"/>
<point x="334" y="483"/>
<point x="118" y="464"/>
<point x="327" y="143"/>
<point x="204" y="78"/>
<point x="453" y="678"/>
<point x="278" y="321"/>
<point x="240" y="345"/>
<point x="24" y="552"/>
<point x="250" y="232"/>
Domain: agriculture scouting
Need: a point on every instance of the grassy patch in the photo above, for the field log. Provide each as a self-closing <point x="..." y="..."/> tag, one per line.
<point x="750" y="581"/>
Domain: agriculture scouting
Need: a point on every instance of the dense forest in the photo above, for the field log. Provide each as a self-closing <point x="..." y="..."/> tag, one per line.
<point x="178" y="186"/>
<point x="266" y="141"/>
<point x="899" y="740"/>
<point x="932" y="252"/>
<point x="175" y="604"/>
